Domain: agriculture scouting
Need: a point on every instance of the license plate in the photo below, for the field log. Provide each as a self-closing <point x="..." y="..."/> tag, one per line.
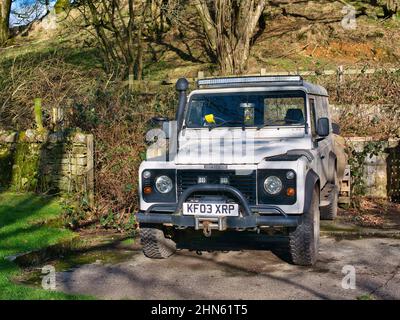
<point x="210" y="209"/>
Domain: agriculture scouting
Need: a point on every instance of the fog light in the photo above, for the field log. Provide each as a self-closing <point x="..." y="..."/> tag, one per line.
<point x="202" y="180"/>
<point x="290" y="192"/>
<point x="224" y="180"/>
<point x="147" y="190"/>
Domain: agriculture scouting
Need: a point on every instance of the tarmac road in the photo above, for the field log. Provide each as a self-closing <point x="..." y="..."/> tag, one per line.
<point x="245" y="274"/>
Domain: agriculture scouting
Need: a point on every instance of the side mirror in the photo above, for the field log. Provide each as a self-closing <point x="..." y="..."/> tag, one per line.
<point x="335" y="128"/>
<point x="323" y="127"/>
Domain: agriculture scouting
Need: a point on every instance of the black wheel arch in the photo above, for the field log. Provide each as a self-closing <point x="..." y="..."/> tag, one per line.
<point x="332" y="164"/>
<point x="312" y="181"/>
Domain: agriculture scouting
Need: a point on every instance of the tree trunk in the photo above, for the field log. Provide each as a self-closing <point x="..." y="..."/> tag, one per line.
<point x="207" y="22"/>
<point x="158" y="18"/>
<point x="391" y="7"/>
<point x="229" y="27"/>
<point x="139" y="56"/>
<point x="5" y="8"/>
<point x="139" y="41"/>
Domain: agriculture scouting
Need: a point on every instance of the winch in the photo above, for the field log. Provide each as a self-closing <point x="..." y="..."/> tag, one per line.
<point x="207" y="224"/>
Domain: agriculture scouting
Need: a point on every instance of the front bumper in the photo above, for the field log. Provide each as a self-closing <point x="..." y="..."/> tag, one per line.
<point x="255" y="220"/>
<point x="248" y="219"/>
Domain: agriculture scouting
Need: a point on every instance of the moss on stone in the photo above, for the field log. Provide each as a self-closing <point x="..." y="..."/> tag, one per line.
<point x="42" y="165"/>
<point x="6" y="163"/>
<point x="26" y="165"/>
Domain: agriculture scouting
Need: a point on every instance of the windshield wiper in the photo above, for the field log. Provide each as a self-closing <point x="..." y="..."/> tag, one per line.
<point x="287" y="123"/>
<point x="212" y="126"/>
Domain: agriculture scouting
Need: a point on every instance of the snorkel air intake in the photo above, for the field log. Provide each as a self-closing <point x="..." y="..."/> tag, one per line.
<point x="181" y="86"/>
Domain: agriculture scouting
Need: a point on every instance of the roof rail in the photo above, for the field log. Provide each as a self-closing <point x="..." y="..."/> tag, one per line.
<point x="249" y="80"/>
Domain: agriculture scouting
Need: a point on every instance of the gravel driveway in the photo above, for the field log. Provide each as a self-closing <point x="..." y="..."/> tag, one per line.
<point x="245" y="274"/>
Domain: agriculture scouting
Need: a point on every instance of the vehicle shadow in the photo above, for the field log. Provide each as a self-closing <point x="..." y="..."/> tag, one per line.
<point x="278" y="244"/>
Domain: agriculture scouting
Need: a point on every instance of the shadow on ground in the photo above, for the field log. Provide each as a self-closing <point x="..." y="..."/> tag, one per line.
<point x="236" y="241"/>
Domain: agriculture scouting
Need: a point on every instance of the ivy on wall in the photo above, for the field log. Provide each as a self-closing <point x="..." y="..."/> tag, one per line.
<point x="357" y="161"/>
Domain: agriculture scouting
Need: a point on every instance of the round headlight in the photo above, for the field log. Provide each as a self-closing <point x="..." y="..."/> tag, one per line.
<point x="273" y="185"/>
<point x="164" y="184"/>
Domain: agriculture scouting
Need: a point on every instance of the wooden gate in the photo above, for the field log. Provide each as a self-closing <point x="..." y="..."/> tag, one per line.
<point x="393" y="174"/>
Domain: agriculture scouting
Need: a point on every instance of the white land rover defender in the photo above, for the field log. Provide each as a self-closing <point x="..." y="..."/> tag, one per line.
<point x="249" y="154"/>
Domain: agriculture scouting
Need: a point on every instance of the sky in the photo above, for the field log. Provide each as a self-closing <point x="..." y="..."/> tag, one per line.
<point x="30" y="10"/>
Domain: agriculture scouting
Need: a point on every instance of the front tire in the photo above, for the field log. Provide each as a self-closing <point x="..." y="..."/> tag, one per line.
<point x="155" y="244"/>
<point x="304" y="240"/>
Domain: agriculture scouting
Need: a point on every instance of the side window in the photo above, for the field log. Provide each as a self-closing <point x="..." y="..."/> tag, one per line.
<point x="325" y="106"/>
<point x="322" y="109"/>
<point x="313" y="117"/>
<point x="319" y="108"/>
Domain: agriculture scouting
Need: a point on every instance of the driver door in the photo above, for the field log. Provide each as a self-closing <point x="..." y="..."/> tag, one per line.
<point x="320" y="146"/>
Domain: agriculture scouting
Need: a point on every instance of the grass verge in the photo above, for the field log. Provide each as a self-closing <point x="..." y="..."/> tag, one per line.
<point x="23" y="228"/>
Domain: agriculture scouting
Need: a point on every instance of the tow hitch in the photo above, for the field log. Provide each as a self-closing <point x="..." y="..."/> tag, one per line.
<point x="210" y="223"/>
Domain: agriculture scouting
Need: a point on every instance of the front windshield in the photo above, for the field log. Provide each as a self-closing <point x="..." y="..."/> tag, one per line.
<point x="249" y="109"/>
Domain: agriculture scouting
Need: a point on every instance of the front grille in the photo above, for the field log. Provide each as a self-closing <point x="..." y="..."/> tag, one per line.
<point x="246" y="184"/>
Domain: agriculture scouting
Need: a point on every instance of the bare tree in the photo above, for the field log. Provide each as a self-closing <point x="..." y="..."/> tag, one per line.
<point x="5" y="9"/>
<point x="157" y="23"/>
<point x="118" y="26"/>
<point x="390" y="7"/>
<point x="229" y="26"/>
<point x="140" y="23"/>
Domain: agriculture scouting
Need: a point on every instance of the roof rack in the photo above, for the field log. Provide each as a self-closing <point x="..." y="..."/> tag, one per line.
<point x="249" y="81"/>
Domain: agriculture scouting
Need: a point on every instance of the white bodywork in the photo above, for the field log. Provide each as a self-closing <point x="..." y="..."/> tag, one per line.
<point x="268" y="141"/>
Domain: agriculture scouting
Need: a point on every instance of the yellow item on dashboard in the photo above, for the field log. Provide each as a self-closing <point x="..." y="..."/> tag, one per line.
<point x="209" y="118"/>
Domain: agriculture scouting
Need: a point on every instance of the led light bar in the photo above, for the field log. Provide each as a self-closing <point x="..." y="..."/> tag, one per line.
<point x="247" y="80"/>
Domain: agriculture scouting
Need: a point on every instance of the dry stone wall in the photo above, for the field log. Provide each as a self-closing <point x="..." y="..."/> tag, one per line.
<point x="378" y="169"/>
<point x="47" y="162"/>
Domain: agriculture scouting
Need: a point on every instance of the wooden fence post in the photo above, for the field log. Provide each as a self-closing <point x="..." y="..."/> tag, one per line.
<point x="57" y="118"/>
<point x="340" y="74"/>
<point x="130" y="82"/>
<point x="340" y="79"/>
<point x="38" y="113"/>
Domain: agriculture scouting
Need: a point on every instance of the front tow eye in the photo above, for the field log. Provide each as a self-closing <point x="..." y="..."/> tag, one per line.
<point x="207" y="228"/>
